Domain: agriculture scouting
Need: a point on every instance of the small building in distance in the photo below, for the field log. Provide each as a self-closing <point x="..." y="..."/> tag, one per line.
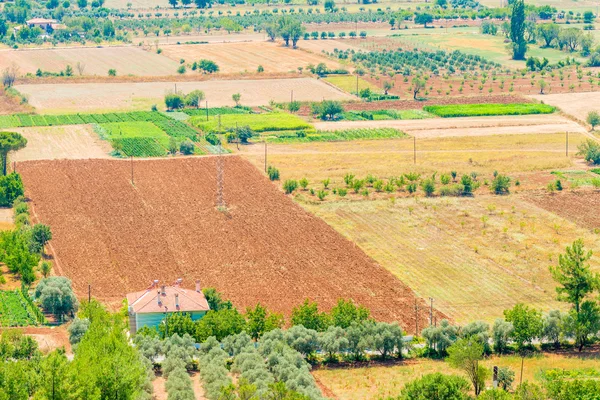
<point x="152" y="306"/>
<point x="43" y="23"/>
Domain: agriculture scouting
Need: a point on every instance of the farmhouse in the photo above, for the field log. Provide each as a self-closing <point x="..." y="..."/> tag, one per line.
<point x="151" y="306"/>
<point x="45" y="24"/>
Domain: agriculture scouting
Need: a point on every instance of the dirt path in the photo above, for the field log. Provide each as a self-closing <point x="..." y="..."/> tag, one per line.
<point x="466" y="126"/>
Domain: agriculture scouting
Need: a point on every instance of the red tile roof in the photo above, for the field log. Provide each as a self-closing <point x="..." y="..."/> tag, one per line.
<point x="146" y="301"/>
<point x="41" y="21"/>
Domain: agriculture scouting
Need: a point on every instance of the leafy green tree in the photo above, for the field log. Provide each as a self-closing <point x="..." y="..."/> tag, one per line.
<point x="333" y="341"/>
<point x="329" y="6"/>
<point x="506" y="377"/>
<point x="219" y="324"/>
<point x="529" y="391"/>
<point x="187" y="147"/>
<point x="177" y="323"/>
<point x="418" y="84"/>
<point x="590" y="150"/>
<point x="293" y="106"/>
<point x="593" y="118"/>
<point x="105" y="365"/>
<point x="549" y="33"/>
<point x="554" y="324"/>
<point x="467" y="183"/>
<point x="517" y="30"/>
<point x="328" y="109"/>
<point x="208" y="66"/>
<point x="56" y="295"/>
<point x="428" y="186"/>
<point x="214" y="299"/>
<point x="501" y="334"/>
<point x="236" y="98"/>
<point x="45" y="269"/>
<point x="54" y="370"/>
<point x="193" y="98"/>
<point x="11" y="187"/>
<point x="465" y="355"/>
<point x="527" y="324"/>
<point x="260" y="321"/>
<point x="174" y="101"/>
<point x="585" y="323"/>
<point x="307" y="314"/>
<point x="77" y="330"/>
<point x="302" y="339"/>
<point x="10" y="141"/>
<point x="439" y="338"/>
<point x="436" y="386"/>
<point x="387" y="339"/>
<point x="423" y="19"/>
<point x="495" y="394"/>
<point x="345" y="312"/>
<point x="40" y="236"/>
<point x="289" y="186"/>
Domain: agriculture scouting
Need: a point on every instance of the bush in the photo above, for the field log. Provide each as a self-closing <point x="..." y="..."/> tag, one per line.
<point x="11" y="187"/>
<point x="187" y="147"/>
<point x="174" y="101"/>
<point x="590" y="150"/>
<point x="428" y="186"/>
<point x="213" y="139"/>
<point x="273" y="173"/>
<point x="289" y="186"/>
<point x="436" y="387"/>
<point x="500" y="184"/>
<point x="471" y="110"/>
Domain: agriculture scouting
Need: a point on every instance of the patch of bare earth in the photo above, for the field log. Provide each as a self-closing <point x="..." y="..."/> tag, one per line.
<point x="579" y="206"/>
<point x="265" y="248"/>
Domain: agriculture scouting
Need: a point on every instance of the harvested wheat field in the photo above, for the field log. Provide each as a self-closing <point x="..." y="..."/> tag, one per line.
<point x="61" y="142"/>
<point x="580" y="207"/>
<point x="82" y="97"/>
<point x="95" y="61"/>
<point x="246" y="57"/>
<point x="466" y="126"/>
<point x="265" y="248"/>
<point x="576" y="104"/>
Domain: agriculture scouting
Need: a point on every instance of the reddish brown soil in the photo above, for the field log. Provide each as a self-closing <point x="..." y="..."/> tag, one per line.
<point x="414" y="104"/>
<point x="265" y="248"/>
<point x="579" y="206"/>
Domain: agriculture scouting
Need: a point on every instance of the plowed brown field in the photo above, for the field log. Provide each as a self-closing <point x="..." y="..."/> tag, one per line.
<point x="118" y="237"/>
<point x="580" y="207"/>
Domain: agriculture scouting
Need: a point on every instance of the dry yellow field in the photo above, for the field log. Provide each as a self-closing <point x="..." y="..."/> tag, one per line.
<point x="386" y="158"/>
<point x="61" y="142"/>
<point x="85" y="97"/>
<point x="96" y="61"/>
<point x="576" y="104"/>
<point x="381" y="382"/>
<point x="246" y="57"/>
<point x="475" y="256"/>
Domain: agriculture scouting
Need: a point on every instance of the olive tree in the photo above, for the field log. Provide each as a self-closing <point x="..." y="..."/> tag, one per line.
<point x="10" y="141"/>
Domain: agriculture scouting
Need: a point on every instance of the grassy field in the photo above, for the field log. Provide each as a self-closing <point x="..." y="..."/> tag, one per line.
<point x="276" y="121"/>
<point x="348" y="83"/>
<point x="477" y="110"/>
<point x="338" y="136"/>
<point x="380" y="382"/>
<point x="475" y="256"/>
<point x="385" y="158"/>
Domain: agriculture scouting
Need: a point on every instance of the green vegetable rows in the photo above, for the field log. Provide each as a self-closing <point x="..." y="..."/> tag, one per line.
<point x="14" y="310"/>
<point x="28" y="120"/>
<point x="342" y="135"/>
<point x="139" y="147"/>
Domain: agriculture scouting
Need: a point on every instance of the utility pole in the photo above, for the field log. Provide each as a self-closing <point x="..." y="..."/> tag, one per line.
<point x="207" y="110"/>
<point x="431" y="311"/>
<point x="220" y="168"/>
<point x="567" y="145"/>
<point x="292" y="97"/>
<point x="132" y="171"/>
<point x="416" y="318"/>
<point x="414" y="149"/>
<point x="357" y="84"/>
<point x="175" y="88"/>
<point x="265" y="155"/>
<point x="89" y="293"/>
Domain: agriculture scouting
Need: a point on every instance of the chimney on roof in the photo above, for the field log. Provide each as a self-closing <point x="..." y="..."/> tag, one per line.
<point x="177" y="301"/>
<point x="163" y="290"/>
<point x="179" y="281"/>
<point x="155" y="283"/>
<point x="158" y="297"/>
<point x="198" y="288"/>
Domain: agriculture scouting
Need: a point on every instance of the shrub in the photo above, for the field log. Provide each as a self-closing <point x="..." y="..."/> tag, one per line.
<point x="342" y="192"/>
<point x="303" y="183"/>
<point x="187" y="147"/>
<point x="273" y="173"/>
<point x="431" y="386"/>
<point x="590" y="150"/>
<point x="593" y="118"/>
<point x="174" y="101"/>
<point x="500" y="184"/>
<point x="213" y="139"/>
<point x="428" y="186"/>
<point x="40" y="235"/>
<point x="56" y="296"/>
<point x="321" y="194"/>
<point x="451" y="190"/>
<point x="289" y="186"/>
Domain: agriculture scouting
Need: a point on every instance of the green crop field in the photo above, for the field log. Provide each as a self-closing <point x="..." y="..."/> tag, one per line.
<point x="137" y="139"/>
<point x="477" y="110"/>
<point x="276" y="121"/>
<point x="378" y="115"/>
<point x="28" y="120"/>
<point x="338" y="136"/>
<point x="201" y="112"/>
<point x="14" y="310"/>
